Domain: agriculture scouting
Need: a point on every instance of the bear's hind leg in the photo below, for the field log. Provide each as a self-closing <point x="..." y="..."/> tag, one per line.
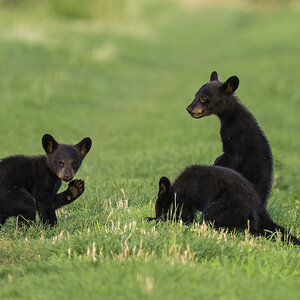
<point x="16" y="202"/>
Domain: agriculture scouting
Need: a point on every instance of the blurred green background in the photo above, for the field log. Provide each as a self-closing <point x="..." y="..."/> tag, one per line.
<point x="123" y="72"/>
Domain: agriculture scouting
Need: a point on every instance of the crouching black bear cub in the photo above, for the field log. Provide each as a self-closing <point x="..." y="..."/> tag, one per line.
<point x="225" y="197"/>
<point x="30" y="183"/>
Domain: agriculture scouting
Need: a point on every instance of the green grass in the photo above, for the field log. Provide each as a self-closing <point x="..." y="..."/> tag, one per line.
<point x="125" y="80"/>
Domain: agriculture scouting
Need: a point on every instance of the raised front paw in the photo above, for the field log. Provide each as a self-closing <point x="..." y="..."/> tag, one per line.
<point x="76" y="188"/>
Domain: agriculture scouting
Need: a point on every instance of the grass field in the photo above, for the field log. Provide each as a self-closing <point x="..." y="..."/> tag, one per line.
<point x="124" y="75"/>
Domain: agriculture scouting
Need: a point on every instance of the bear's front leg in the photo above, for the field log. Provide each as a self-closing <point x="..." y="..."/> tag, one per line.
<point x="46" y="212"/>
<point x="74" y="191"/>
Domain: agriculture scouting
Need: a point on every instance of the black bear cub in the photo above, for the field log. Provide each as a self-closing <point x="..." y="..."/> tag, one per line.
<point x="30" y="183"/>
<point x="246" y="149"/>
<point x="225" y="198"/>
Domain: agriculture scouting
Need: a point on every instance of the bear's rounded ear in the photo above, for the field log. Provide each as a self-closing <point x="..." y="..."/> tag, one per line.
<point x="214" y="76"/>
<point x="164" y="186"/>
<point x="49" y="143"/>
<point x="230" y="86"/>
<point x="84" y="146"/>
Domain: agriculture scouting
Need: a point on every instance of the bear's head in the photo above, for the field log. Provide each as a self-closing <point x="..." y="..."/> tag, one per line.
<point x="214" y="97"/>
<point x="64" y="160"/>
<point x="165" y="199"/>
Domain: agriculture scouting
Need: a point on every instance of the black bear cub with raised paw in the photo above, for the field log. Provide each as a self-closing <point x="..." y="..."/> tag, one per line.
<point x="225" y="198"/>
<point x="246" y="149"/>
<point x="30" y="183"/>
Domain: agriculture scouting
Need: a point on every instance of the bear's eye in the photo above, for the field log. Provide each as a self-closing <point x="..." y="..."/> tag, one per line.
<point x="61" y="164"/>
<point x="203" y="100"/>
<point x="74" y="164"/>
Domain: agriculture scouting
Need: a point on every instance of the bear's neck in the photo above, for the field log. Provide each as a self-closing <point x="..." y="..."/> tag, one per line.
<point x="234" y="112"/>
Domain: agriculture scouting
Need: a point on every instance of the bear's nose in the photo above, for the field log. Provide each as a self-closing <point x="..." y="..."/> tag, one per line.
<point x="188" y="109"/>
<point x="67" y="178"/>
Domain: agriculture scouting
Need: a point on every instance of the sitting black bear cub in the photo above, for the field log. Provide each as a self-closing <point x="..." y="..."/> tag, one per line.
<point x="246" y="149"/>
<point x="30" y="183"/>
<point x="225" y="197"/>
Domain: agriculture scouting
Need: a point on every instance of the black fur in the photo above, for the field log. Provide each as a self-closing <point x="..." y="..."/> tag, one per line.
<point x="30" y="183"/>
<point x="246" y="149"/>
<point x="225" y="197"/>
